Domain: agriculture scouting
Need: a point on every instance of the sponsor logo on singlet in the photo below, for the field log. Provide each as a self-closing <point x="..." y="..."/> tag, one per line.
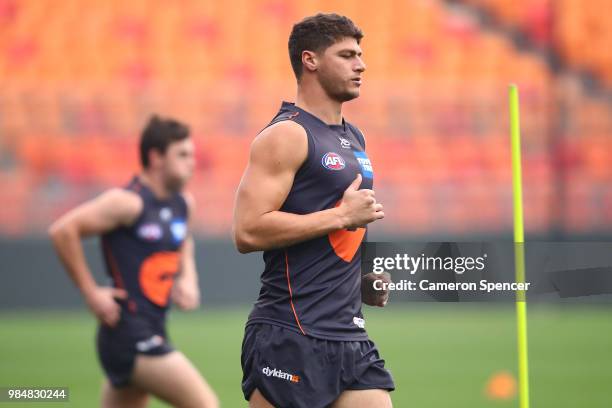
<point x="333" y="161"/>
<point x="178" y="228"/>
<point x="365" y="164"/>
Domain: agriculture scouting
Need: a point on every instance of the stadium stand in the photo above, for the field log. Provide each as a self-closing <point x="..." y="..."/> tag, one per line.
<point x="78" y="82"/>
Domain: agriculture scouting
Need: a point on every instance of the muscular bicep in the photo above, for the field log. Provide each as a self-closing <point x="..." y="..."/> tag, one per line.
<point x="104" y="213"/>
<point x="275" y="157"/>
<point x="262" y="174"/>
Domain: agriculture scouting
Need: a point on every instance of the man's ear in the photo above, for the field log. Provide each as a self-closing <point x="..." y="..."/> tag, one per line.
<point x="155" y="157"/>
<point x="309" y="60"/>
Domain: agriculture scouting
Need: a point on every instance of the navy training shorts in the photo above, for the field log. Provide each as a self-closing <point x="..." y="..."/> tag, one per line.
<point x="292" y="370"/>
<point x="134" y="334"/>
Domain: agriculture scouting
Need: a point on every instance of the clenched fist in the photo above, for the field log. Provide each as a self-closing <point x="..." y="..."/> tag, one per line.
<point x="371" y="296"/>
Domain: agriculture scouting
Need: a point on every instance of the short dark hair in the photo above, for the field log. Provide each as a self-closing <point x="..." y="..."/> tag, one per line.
<point x="316" y="33"/>
<point x="158" y="135"/>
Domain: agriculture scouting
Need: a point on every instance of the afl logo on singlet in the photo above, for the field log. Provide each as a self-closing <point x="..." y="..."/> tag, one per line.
<point x="333" y="161"/>
<point x="150" y="232"/>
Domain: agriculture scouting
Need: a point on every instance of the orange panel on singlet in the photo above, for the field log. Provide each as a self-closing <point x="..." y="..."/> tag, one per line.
<point x="157" y="276"/>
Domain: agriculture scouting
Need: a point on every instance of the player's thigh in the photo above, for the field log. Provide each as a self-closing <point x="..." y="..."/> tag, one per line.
<point x="259" y="401"/>
<point x="363" y="399"/>
<point x="174" y="379"/>
<point x="124" y="397"/>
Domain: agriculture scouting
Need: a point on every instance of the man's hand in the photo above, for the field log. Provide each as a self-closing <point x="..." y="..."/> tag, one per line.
<point x="186" y="293"/>
<point x="359" y="207"/>
<point x="101" y="301"/>
<point x="371" y="296"/>
<point x="112" y="209"/>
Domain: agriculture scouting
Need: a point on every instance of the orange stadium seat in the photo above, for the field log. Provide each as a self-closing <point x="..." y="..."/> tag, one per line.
<point x="582" y="30"/>
<point x="79" y="82"/>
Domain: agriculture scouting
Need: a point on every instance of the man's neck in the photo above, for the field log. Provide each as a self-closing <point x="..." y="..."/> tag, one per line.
<point x="313" y="99"/>
<point x="155" y="184"/>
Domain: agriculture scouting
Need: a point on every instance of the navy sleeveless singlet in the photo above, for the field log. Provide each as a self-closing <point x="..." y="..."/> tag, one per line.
<point x="144" y="258"/>
<point x="314" y="287"/>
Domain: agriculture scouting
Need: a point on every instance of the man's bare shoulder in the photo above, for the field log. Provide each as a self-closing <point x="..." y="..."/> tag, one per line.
<point x="125" y="204"/>
<point x="285" y="141"/>
<point x="285" y="132"/>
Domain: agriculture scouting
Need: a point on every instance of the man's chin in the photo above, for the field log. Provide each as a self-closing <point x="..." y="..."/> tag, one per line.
<point x="347" y="96"/>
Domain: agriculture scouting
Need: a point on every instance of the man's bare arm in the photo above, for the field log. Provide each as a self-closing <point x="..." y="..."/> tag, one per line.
<point x="108" y="211"/>
<point x="186" y="293"/>
<point x="276" y="155"/>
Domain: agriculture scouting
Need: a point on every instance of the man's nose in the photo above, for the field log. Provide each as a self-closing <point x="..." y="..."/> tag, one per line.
<point x="361" y="66"/>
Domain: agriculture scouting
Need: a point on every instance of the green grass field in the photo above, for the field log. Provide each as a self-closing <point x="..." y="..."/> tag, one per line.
<point x="440" y="355"/>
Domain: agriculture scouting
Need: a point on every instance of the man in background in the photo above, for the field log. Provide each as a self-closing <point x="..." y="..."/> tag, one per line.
<point x="149" y="254"/>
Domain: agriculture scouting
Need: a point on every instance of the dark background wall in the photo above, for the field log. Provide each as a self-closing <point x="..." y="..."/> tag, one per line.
<point x="32" y="276"/>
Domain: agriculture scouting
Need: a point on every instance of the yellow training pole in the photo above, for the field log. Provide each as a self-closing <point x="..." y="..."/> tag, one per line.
<point x="519" y="254"/>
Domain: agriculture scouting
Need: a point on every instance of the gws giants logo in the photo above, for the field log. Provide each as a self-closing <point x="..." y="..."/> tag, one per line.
<point x="273" y="372"/>
<point x="333" y="161"/>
